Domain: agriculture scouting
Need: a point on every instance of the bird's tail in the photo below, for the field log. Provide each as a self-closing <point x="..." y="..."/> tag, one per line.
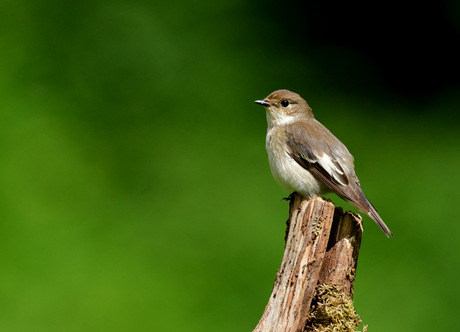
<point x="375" y="216"/>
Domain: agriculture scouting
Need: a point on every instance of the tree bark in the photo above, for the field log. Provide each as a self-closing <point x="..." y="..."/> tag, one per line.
<point x="322" y="247"/>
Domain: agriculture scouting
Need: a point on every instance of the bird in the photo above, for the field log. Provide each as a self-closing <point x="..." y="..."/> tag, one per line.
<point x="306" y="158"/>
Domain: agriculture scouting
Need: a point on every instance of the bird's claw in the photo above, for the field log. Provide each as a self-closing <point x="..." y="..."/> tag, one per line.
<point x="290" y="198"/>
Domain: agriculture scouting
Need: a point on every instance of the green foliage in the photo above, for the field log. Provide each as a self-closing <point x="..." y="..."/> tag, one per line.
<point x="135" y="189"/>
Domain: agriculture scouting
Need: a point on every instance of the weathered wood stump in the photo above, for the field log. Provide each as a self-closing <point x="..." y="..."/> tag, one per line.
<point x="313" y="288"/>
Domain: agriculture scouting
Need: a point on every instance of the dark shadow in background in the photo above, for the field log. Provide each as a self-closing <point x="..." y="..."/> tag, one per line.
<point x="409" y="51"/>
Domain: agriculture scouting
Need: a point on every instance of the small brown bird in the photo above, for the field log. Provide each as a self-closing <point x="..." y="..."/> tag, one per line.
<point x="306" y="158"/>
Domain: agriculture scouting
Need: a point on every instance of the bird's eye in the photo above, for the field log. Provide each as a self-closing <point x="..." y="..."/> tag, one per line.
<point x="285" y="103"/>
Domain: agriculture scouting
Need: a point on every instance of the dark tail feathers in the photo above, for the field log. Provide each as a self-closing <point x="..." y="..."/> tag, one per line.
<point x="375" y="216"/>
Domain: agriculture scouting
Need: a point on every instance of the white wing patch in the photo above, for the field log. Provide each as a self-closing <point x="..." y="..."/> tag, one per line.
<point x="332" y="168"/>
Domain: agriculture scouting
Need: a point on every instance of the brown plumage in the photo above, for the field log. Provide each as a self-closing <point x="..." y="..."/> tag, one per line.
<point x="307" y="158"/>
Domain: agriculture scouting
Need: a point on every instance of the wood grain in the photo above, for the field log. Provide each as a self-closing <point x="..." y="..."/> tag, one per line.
<point x="322" y="246"/>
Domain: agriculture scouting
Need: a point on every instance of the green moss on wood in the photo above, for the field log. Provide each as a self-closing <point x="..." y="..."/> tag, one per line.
<point x="332" y="311"/>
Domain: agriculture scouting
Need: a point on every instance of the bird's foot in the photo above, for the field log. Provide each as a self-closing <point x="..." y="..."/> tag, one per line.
<point x="291" y="197"/>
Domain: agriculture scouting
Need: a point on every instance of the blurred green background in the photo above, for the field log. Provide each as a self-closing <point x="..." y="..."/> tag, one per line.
<point x="135" y="188"/>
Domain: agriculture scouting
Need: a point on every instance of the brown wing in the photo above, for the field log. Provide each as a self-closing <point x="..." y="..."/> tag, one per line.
<point x="320" y="158"/>
<point x="317" y="156"/>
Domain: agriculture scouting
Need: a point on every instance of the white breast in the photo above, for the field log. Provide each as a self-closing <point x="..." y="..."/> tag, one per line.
<point x="287" y="172"/>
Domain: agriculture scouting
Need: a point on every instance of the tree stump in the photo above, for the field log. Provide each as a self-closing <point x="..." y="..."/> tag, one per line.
<point x="313" y="288"/>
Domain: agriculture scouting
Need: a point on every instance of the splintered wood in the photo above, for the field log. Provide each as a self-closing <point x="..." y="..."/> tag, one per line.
<point x="322" y="247"/>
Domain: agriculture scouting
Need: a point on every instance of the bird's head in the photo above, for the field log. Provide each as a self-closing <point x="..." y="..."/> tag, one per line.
<point x="284" y="107"/>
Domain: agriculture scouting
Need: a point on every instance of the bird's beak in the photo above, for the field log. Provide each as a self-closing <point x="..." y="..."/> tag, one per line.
<point x="264" y="103"/>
